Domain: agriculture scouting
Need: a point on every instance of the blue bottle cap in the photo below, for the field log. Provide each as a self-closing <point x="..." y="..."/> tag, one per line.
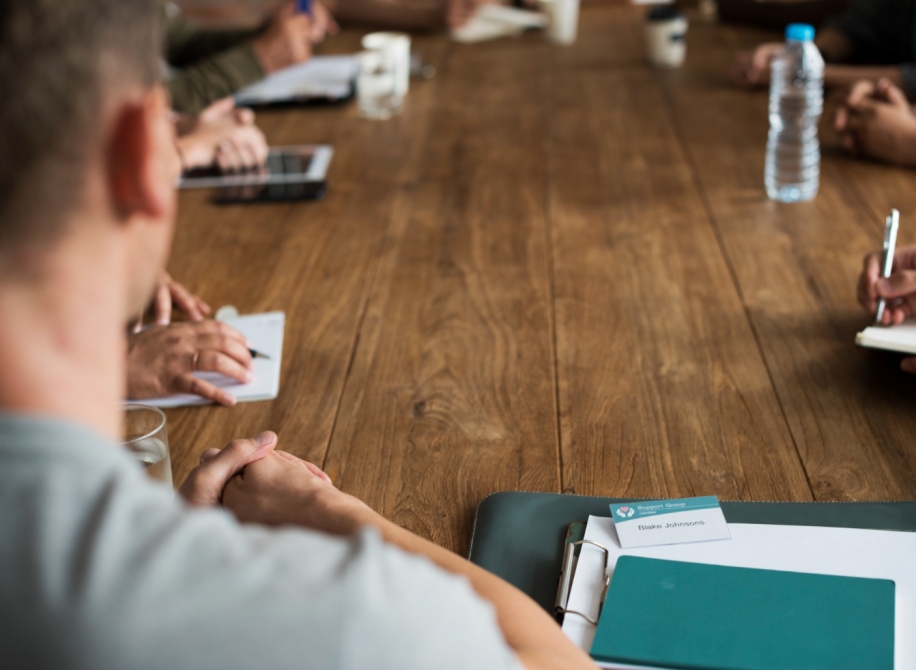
<point x="799" y="32"/>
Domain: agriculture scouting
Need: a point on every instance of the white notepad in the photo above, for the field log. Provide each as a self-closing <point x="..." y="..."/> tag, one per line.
<point x="265" y="333"/>
<point x="848" y="552"/>
<point x="322" y="77"/>
<point x="900" y="338"/>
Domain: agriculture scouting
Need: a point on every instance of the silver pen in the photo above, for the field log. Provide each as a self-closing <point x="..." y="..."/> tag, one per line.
<point x="891" y="224"/>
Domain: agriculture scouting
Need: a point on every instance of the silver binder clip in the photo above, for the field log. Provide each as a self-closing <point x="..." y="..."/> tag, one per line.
<point x="566" y="577"/>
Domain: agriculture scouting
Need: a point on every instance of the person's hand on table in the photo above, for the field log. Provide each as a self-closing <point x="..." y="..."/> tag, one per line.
<point x="222" y="135"/>
<point x="204" y="485"/>
<point x="877" y="121"/>
<point x="162" y="360"/>
<point x="170" y="293"/>
<point x="281" y="489"/>
<point x="752" y="68"/>
<point x="260" y="484"/>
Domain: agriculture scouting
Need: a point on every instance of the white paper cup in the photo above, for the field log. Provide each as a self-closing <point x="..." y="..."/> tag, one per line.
<point x="396" y="47"/>
<point x="666" y="37"/>
<point x="564" y="20"/>
<point x="376" y="84"/>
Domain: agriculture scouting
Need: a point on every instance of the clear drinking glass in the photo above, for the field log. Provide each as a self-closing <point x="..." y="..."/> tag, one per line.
<point x="376" y="86"/>
<point x="146" y="438"/>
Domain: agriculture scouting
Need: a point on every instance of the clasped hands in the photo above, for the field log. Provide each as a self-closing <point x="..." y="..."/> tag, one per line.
<point x="260" y="484"/>
<point x="876" y="120"/>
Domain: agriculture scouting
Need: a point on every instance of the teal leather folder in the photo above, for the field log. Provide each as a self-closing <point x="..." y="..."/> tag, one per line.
<point x="672" y="614"/>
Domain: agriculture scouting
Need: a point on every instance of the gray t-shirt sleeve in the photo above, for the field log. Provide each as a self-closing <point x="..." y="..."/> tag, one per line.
<point x="101" y="568"/>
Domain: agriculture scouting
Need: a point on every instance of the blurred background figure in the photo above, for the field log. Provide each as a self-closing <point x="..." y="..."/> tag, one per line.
<point x="415" y="14"/>
<point x="207" y="64"/>
<point x="777" y="14"/>
<point x="410" y="15"/>
<point x="870" y="40"/>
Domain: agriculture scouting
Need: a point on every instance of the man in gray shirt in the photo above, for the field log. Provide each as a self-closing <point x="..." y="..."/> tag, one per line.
<point x="100" y="567"/>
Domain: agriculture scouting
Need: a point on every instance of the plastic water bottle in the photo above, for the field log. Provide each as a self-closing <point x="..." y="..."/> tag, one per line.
<point x="793" y="164"/>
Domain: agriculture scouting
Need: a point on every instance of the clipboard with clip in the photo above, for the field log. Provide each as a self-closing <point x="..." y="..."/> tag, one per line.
<point x="572" y="546"/>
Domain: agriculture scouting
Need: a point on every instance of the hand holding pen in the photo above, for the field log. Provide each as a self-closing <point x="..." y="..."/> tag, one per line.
<point x="288" y="37"/>
<point x="323" y="23"/>
<point x="889" y="278"/>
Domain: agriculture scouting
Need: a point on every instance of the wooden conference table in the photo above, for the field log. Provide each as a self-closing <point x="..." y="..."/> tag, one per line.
<point x="557" y="270"/>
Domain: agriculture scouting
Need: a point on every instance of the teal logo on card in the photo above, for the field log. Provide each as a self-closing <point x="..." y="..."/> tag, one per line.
<point x="641" y="509"/>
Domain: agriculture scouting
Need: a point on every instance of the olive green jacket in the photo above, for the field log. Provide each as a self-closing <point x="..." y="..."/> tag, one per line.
<point x="207" y="64"/>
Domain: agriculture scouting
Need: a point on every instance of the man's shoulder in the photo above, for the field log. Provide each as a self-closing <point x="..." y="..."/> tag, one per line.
<point x="37" y="437"/>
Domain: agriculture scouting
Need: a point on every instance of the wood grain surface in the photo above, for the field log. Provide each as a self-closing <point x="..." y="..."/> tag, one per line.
<point x="557" y="270"/>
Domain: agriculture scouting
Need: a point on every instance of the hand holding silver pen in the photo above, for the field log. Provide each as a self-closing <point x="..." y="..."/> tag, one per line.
<point x="889" y="277"/>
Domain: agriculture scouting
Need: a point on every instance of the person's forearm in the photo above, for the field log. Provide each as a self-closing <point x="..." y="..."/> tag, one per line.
<point x="529" y="631"/>
<point x="186" y="43"/>
<point x="847" y="75"/>
<point x="194" y="88"/>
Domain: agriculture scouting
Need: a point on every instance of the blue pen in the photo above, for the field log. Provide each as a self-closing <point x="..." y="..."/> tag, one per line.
<point x="304" y="6"/>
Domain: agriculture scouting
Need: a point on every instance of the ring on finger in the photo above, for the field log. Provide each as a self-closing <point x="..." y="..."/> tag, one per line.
<point x="194" y="361"/>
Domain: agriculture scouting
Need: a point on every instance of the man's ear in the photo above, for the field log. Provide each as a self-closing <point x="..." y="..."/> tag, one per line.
<point x="142" y="161"/>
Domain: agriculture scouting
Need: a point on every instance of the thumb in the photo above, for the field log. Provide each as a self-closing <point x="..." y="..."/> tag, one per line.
<point x="204" y="486"/>
<point x="896" y="97"/>
<point x="898" y="284"/>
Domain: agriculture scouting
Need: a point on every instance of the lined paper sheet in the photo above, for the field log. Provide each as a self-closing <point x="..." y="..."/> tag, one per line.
<point x="265" y="333"/>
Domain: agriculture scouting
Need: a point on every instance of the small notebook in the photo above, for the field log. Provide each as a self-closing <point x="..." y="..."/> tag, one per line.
<point x="265" y="333"/>
<point x="672" y="614"/>
<point x="319" y="78"/>
<point x="900" y="338"/>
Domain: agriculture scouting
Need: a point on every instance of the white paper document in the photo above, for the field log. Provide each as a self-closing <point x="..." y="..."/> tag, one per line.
<point x="490" y="22"/>
<point x="900" y="338"/>
<point x="849" y="552"/>
<point x="265" y="333"/>
<point x="328" y="77"/>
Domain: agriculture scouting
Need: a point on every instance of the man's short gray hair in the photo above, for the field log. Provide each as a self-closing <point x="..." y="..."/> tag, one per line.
<point x="59" y="60"/>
